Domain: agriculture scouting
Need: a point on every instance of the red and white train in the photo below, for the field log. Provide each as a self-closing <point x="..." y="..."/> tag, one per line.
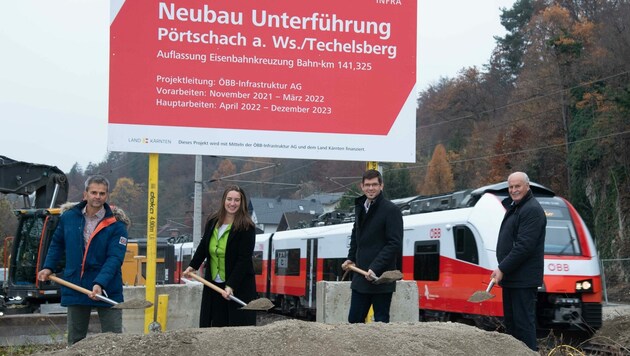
<point x="449" y="250"/>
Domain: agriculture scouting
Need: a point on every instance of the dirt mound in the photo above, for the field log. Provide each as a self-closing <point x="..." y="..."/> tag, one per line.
<point x="294" y="337"/>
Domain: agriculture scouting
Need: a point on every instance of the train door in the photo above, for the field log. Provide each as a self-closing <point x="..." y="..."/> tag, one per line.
<point x="311" y="272"/>
<point x="262" y="263"/>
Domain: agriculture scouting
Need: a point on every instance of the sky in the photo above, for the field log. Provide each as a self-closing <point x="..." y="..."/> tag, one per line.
<point x="54" y="69"/>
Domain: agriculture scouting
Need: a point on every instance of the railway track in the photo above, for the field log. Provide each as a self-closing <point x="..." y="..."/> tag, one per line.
<point x="29" y="329"/>
<point x="600" y="349"/>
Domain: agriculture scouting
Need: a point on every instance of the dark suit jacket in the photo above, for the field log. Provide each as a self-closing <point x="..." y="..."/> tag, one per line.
<point x="521" y="243"/>
<point x="376" y="242"/>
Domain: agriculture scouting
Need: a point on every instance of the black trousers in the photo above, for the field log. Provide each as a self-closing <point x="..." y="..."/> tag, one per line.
<point x="216" y="311"/>
<point x="519" y="314"/>
<point x="360" y="306"/>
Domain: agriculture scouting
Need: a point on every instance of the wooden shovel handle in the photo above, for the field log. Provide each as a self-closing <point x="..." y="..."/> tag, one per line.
<point x="65" y="283"/>
<point x="358" y="270"/>
<point x="217" y="289"/>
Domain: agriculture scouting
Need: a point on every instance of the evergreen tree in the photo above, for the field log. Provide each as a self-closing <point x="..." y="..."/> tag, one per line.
<point x="439" y="178"/>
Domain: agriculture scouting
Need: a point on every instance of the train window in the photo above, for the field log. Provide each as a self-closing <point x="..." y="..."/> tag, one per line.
<point x="257" y="258"/>
<point x="426" y="261"/>
<point x="560" y="239"/>
<point x="560" y="236"/>
<point x="332" y="269"/>
<point x="186" y="260"/>
<point x="465" y="244"/>
<point x="288" y="262"/>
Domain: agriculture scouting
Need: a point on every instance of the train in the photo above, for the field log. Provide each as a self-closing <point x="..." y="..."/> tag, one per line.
<point x="449" y="250"/>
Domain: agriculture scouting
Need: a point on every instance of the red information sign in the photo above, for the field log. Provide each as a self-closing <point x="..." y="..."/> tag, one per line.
<point x="321" y="67"/>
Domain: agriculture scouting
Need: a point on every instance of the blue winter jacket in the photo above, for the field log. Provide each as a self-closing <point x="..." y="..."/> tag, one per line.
<point x="97" y="263"/>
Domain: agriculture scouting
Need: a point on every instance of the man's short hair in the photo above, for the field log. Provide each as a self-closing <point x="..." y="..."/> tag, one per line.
<point x="96" y="179"/>
<point x="371" y="174"/>
<point x="522" y="175"/>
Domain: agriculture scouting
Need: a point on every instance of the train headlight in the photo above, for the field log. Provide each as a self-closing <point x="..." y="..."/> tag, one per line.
<point x="584" y="286"/>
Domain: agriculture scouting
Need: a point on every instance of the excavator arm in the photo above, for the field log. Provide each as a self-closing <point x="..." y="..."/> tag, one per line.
<point x="49" y="183"/>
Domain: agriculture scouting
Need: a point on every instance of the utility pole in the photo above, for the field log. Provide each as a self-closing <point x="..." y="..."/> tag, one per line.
<point x="197" y="202"/>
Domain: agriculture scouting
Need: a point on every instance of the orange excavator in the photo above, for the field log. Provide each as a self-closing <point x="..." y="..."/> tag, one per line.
<point x="43" y="189"/>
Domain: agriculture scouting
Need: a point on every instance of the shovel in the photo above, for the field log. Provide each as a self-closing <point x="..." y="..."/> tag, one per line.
<point x="483" y="295"/>
<point x="263" y="304"/>
<point x="386" y="277"/>
<point x="132" y="304"/>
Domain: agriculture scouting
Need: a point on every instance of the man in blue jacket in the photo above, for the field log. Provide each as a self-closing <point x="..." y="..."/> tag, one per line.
<point x="520" y="254"/>
<point x="94" y="243"/>
<point x="375" y="247"/>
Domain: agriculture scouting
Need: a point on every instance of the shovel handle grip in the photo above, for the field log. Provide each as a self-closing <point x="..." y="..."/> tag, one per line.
<point x="80" y="289"/>
<point x="216" y="289"/>
<point x="492" y="283"/>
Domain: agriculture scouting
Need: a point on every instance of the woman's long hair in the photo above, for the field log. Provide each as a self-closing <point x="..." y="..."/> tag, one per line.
<point x="242" y="220"/>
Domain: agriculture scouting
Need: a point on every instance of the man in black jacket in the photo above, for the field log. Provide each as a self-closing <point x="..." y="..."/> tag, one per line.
<point x="375" y="245"/>
<point x="520" y="254"/>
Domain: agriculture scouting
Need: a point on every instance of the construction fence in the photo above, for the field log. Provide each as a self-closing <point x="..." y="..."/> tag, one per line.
<point x="616" y="280"/>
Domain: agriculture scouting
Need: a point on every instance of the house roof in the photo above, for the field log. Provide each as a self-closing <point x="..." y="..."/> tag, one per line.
<point x="270" y="210"/>
<point x="295" y="220"/>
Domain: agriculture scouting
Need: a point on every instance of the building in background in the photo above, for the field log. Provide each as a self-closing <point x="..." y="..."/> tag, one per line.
<point x="268" y="212"/>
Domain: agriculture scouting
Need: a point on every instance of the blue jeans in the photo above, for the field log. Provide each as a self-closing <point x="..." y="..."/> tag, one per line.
<point x="360" y="306"/>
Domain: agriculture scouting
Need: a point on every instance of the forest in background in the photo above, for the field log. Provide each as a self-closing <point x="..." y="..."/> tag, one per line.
<point x="553" y="101"/>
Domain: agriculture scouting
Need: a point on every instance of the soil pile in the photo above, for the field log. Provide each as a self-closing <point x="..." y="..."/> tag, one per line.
<point x="294" y="337"/>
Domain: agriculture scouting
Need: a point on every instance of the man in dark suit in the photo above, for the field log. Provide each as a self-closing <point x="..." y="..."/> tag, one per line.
<point x="375" y="245"/>
<point x="520" y="254"/>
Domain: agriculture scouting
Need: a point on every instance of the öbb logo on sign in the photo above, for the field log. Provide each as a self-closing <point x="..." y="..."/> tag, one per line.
<point x="560" y="267"/>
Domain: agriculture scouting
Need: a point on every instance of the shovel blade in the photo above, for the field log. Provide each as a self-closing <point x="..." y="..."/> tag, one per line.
<point x="262" y="304"/>
<point x="480" y="296"/>
<point x="389" y="277"/>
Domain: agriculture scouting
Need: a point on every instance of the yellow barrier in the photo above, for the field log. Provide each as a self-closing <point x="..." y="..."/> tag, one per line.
<point x="162" y="311"/>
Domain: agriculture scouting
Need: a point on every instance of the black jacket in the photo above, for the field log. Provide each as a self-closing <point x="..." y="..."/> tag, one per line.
<point x="239" y="273"/>
<point x="376" y="242"/>
<point x="521" y="243"/>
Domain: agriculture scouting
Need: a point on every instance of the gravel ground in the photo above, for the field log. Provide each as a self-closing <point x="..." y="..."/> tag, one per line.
<point x="294" y="337"/>
<point x="279" y="335"/>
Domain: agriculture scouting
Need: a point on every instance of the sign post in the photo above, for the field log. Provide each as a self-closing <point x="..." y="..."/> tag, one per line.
<point x="152" y="213"/>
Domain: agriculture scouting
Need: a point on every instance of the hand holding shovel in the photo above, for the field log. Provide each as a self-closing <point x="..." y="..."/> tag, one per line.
<point x="256" y="304"/>
<point x="386" y="277"/>
<point x="132" y="304"/>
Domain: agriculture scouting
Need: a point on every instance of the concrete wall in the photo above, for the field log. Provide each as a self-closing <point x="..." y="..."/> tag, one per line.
<point x="333" y="302"/>
<point x="184" y="301"/>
